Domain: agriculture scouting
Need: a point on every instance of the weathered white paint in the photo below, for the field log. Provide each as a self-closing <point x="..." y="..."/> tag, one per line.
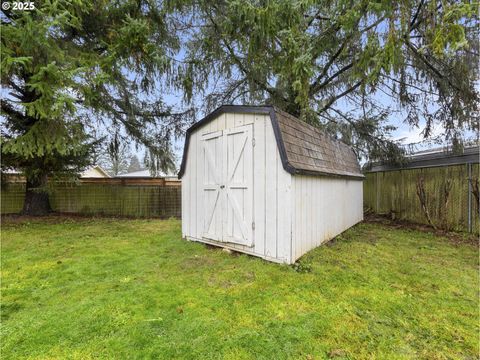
<point x="260" y="188"/>
<point x="322" y="208"/>
<point x="262" y="210"/>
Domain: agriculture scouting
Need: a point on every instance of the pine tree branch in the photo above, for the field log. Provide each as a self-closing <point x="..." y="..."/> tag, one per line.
<point x="240" y="65"/>
<point x="317" y="87"/>
<point x="409" y="85"/>
<point x="15" y="86"/>
<point x="339" y="96"/>
<point x="412" y="23"/>
<point x="437" y="72"/>
<point x="10" y="111"/>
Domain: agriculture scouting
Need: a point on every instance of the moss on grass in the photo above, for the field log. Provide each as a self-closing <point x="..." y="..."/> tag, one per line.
<point x="134" y="289"/>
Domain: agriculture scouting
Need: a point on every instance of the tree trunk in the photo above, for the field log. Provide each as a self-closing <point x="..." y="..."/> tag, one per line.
<point x="37" y="201"/>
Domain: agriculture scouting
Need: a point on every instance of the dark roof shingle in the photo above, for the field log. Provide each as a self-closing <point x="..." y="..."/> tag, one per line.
<point x="310" y="149"/>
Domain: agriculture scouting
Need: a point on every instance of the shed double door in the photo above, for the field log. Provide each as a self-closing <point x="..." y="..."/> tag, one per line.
<point x="228" y="185"/>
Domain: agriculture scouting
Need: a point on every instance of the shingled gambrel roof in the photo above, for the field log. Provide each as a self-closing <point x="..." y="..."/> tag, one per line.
<point x="304" y="149"/>
<point x="309" y="149"/>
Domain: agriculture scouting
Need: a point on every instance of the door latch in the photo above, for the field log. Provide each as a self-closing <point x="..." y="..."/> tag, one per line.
<point x="222" y="186"/>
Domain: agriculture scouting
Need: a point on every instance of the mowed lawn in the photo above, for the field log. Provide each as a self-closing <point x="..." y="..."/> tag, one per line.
<point x="133" y="289"/>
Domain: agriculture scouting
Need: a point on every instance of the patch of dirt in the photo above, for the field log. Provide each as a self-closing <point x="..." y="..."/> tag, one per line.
<point x="58" y="218"/>
<point x="54" y="218"/>
<point x="337" y="353"/>
<point x="230" y="252"/>
<point x="456" y="238"/>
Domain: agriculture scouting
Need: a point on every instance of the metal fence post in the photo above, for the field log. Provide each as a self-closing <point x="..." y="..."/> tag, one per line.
<point x="469" y="167"/>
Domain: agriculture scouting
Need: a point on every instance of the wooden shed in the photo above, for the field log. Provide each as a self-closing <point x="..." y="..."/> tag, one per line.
<point x="260" y="181"/>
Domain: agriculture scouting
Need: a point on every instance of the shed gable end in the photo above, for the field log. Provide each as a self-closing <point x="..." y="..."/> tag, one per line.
<point x="304" y="149"/>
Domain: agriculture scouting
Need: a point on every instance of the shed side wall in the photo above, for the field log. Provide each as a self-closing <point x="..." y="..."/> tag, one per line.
<point x="322" y="208"/>
<point x="271" y="189"/>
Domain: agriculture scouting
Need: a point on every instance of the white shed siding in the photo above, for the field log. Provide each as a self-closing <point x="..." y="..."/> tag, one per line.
<point x="271" y="189"/>
<point x="323" y="207"/>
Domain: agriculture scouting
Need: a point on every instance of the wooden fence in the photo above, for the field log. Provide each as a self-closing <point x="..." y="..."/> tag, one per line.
<point x="97" y="198"/>
<point x="442" y="194"/>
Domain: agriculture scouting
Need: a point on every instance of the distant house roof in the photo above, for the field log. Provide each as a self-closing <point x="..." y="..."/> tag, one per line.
<point x="144" y="174"/>
<point x="11" y="172"/>
<point x="95" y="171"/>
<point x="304" y="149"/>
<point x="430" y="158"/>
<point x="140" y="173"/>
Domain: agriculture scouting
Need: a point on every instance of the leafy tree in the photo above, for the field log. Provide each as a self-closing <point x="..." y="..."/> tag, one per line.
<point x="70" y="65"/>
<point x="342" y="64"/>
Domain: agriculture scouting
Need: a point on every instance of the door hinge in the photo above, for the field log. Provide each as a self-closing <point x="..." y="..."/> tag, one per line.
<point x="253" y="225"/>
<point x="253" y="141"/>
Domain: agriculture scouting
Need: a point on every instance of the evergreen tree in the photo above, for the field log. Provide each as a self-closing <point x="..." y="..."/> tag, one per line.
<point x="343" y="65"/>
<point x="67" y="64"/>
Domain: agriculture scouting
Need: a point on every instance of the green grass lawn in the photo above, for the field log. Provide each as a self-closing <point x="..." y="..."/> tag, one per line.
<point x="85" y="289"/>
